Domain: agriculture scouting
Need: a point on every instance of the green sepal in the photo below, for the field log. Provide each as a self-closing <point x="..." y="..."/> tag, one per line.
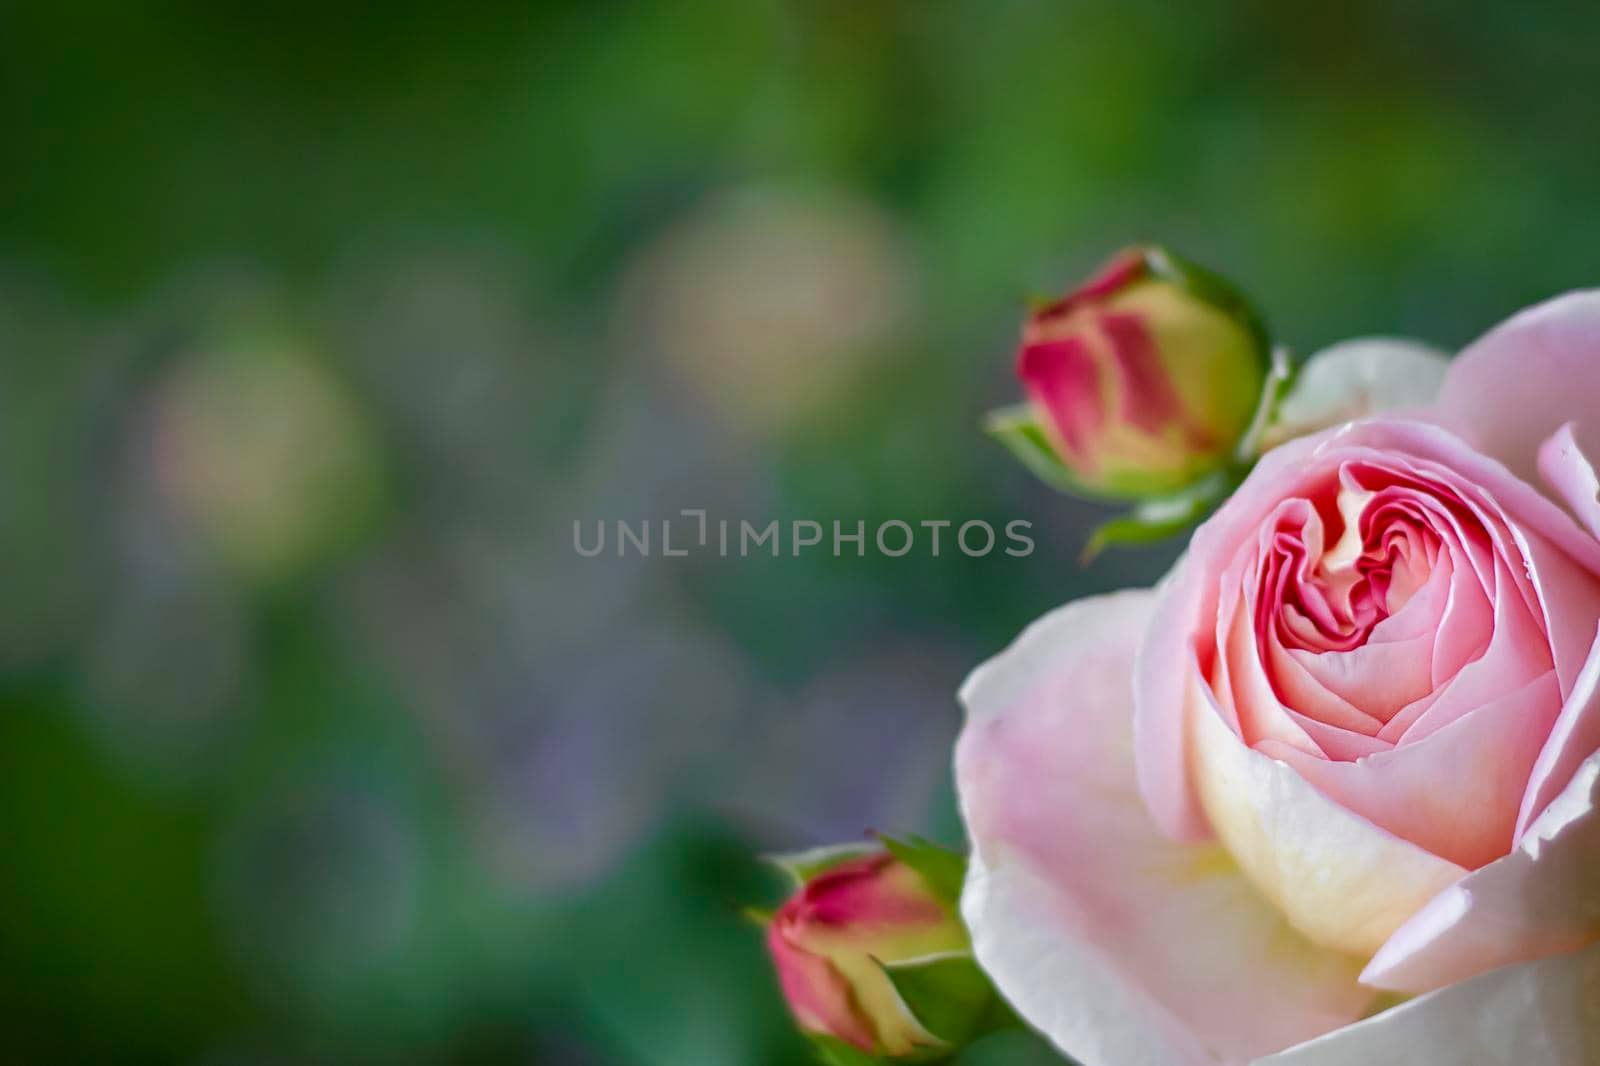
<point x="1133" y="529"/>
<point x="805" y="865"/>
<point x="831" y="1051"/>
<point x="834" y="1052"/>
<point x="943" y="870"/>
<point x="760" y="917"/>
<point x="1281" y="375"/>
<point x="1036" y="302"/>
<point x="1019" y="429"/>
<point x="948" y="995"/>
<point x="1165" y="516"/>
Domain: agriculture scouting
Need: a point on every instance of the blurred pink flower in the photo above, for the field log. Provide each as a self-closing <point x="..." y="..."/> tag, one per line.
<point x="831" y="940"/>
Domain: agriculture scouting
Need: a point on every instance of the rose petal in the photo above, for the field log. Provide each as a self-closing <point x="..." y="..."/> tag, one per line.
<point x="1415" y="791"/>
<point x="1251" y="706"/>
<point x="1342" y="881"/>
<point x="1567" y="469"/>
<point x="1555" y="544"/>
<point x="1518" y="652"/>
<point x="1511" y="389"/>
<point x="1124" y="948"/>
<point x="1570" y="599"/>
<point x="1575" y="736"/>
<point x="817" y="994"/>
<point x="1393" y="667"/>
<point x="1536" y="901"/>
<point x="872" y="907"/>
<point x="1356" y="378"/>
<point x="1544" y="1013"/>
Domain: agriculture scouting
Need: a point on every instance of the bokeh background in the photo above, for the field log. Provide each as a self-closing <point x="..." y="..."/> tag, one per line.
<point x="320" y="326"/>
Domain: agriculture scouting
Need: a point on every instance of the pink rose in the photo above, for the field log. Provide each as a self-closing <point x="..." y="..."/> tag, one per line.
<point x="1328" y="795"/>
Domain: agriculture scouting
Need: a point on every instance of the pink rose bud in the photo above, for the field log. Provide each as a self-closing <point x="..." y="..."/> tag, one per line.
<point x="871" y="952"/>
<point x="1142" y="382"/>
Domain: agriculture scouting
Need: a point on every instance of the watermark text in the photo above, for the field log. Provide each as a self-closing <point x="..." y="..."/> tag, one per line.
<point x="694" y="532"/>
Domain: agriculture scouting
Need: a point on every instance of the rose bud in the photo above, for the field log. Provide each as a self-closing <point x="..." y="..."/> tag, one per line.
<point x="1141" y="383"/>
<point x="871" y="953"/>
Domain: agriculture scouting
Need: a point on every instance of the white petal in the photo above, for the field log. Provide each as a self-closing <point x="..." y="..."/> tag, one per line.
<point x="1356" y="378"/>
<point x="1566" y="468"/>
<point x="1342" y="881"/>
<point x="1123" y="947"/>
<point x="1544" y="1013"/>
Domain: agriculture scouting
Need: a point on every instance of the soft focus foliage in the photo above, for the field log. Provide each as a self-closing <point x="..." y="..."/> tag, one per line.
<point x="318" y="742"/>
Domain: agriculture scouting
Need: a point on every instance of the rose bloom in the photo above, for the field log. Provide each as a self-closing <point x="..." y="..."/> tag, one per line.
<point x="1329" y="794"/>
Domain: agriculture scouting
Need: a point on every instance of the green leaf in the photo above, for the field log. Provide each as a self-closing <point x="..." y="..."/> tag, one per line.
<point x="805" y="865"/>
<point x="947" y="994"/>
<point x="944" y="870"/>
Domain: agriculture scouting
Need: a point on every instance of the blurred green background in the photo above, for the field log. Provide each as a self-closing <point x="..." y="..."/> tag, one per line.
<point x="319" y="328"/>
